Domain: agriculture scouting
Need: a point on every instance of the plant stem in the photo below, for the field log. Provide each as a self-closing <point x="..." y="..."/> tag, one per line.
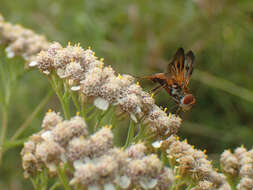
<point x="91" y="115"/>
<point x="57" y="86"/>
<point x="130" y="134"/>
<point x="44" y="179"/>
<point x="65" y="107"/>
<point x="4" y="126"/>
<point x="3" y="133"/>
<point x="100" y="117"/>
<point x="232" y="182"/>
<point x="63" y="178"/>
<point x="13" y="143"/>
<point x="164" y="158"/>
<point x="35" y="185"/>
<point x="75" y="101"/>
<point x="140" y="133"/>
<point x="31" y="117"/>
<point x="55" y="185"/>
<point x="189" y="187"/>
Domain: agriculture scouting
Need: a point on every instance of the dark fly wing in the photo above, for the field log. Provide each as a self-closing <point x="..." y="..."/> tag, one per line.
<point x="189" y="66"/>
<point x="157" y="78"/>
<point x="179" y="60"/>
<point x="176" y="65"/>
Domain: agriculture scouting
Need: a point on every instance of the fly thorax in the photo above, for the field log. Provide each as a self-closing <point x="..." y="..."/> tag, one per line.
<point x="176" y="91"/>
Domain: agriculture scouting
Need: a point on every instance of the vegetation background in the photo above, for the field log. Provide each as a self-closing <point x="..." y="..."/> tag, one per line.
<point x="138" y="37"/>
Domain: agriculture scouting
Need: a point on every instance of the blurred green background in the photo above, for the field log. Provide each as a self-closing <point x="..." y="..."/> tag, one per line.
<point x="138" y="37"/>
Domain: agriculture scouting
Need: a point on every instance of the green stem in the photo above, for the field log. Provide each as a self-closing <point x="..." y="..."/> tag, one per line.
<point x="164" y="158"/>
<point x="189" y="187"/>
<point x="114" y="118"/>
<point x="22" y="128"/>
<point x="4" y="126"/>
<point x="13" y="143"/>
<point x="55" y="185"/>
<point x="91" y="115"/>
<point x="232" y="182"/>
<point x="100" y="117"/>
<point x="83" y="108"/>
<point x="3" y="133"/>
<point x="87" y="110"/>
<point x="57" y="86"/>
<point x="75" y="101"/>
<point x="141" y="133"/>
<point x="65" y="107"/>
<point x="175" y="184"/>
<point x="44" y="179"/>
<point x="35" y="185"/>
<point x="130" y="134"/>
<point x="63" y="178"/>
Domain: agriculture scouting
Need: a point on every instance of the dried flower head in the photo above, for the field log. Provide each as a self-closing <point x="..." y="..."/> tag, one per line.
<point x="191" y="163"/>
<point x="21" y="41"/>
<point x="245" y="184"/>
<point x="239" y="163"/>
<point x="47" y="147"/>
<point x="88" y="76"/>
<point x="67" y="130"/>
<point x="95" y="161"/>
<point x="229" y="163"/>
<point x="136" y="151"/>
<point x="51" y="119"/>
<point x="203" y="185"/>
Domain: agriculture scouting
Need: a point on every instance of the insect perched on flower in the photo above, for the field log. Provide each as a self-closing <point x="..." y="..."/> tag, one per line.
<point x="176" y="78"/>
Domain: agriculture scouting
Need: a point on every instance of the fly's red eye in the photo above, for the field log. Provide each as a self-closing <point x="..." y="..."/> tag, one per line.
<point x="188" y="99"/>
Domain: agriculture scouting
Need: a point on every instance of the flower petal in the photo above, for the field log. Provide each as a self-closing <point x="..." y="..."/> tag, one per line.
<point x="101" y="103"/>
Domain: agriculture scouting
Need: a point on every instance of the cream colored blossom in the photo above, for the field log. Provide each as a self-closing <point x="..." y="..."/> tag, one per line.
<point x="85" y="74"/>
<point x="21" y="41"/>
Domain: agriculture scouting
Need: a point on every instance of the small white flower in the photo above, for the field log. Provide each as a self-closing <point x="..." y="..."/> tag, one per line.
<point x="77" y="164"/>
<point x="60" y="72"/>
<point x="133" y="117"/>
<point x="101" y="103"/>
<point x="33" y="64"/>
<point x="51" y="166"/>
<point x="148" y="183"/>
<point x="109" y="186"/>
<point x="47" y="72"/>
<point x="75" y="88"/>
<point x="157" y="144"/>
<point x="9" y="52"/>
<point x="63" y="158"/>
<point x="124" y="182"/>
<point x="138" y="109"/>
<point x="47" y="136"/>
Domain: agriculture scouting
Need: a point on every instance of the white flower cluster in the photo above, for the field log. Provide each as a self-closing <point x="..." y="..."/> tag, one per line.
<point x="48" y="147"/>
<point x="84" y="73"/>
<point x="21" y="41"/>
<point x="239" y="163"/>
<point x="191" y="163"/>
<point x="96" y="162"/>
<point x="87" y="75"/>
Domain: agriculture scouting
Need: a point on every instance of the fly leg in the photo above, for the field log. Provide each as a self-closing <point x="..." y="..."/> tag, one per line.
<point x="178" y="111"/>
<point x="157" y="89"/>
